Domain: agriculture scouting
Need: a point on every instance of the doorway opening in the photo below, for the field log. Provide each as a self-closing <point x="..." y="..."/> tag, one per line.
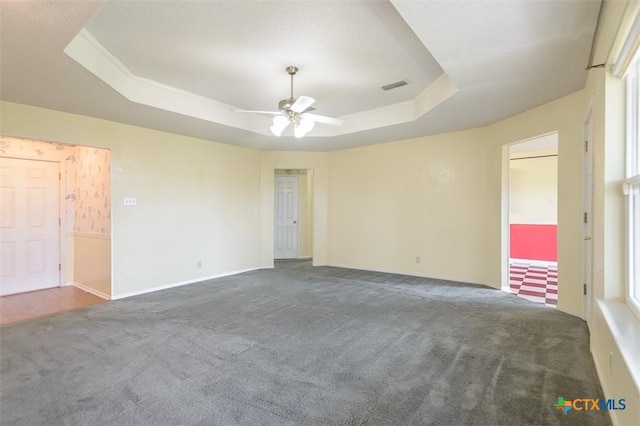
<point x="73" y="199"/>
<point x="293" y="214"/>
<point x="532" y="227"/>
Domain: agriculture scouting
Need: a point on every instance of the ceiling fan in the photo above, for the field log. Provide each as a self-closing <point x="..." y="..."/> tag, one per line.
<point x="295" y="111"/>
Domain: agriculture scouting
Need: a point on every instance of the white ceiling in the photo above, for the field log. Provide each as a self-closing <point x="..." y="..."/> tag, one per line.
<point x="185" y="66"/>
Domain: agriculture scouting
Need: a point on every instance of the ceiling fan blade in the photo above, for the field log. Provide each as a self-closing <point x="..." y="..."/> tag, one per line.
<point x="301" y="104"/>
<point x="324" y="119"/>
<point x="259" y="112"/>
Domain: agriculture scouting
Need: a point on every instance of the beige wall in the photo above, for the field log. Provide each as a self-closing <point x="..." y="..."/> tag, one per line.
<point x="533" y="190"/>
<point x="196" y="216"/>
<point x="308" y="209"/>
<point x="564" y="116"/>
<point x="424" y="198"/>
<point x="92" y="264"/>
<point x="439" y="198"/>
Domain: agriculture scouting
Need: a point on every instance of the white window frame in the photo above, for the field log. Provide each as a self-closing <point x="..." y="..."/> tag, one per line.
<point x="631" y="184"/>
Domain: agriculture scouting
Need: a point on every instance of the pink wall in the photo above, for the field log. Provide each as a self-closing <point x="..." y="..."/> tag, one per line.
<point x="536" y="242"/>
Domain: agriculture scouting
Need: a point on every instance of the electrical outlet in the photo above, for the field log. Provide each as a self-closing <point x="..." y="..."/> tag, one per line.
<point x="417" y="259"/>
<point x="130" y="201"/>
<point x="199" y="263"/>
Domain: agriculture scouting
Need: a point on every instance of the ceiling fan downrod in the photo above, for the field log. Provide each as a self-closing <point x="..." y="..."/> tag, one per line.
<point x="292" y="71"/>
<point x="285" y="104"/>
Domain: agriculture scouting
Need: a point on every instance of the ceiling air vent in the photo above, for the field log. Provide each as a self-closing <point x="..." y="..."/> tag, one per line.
<point x="394" y="85"/>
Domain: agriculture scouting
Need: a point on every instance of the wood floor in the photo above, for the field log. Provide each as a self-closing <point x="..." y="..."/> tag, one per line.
<point x="20" y="307"/>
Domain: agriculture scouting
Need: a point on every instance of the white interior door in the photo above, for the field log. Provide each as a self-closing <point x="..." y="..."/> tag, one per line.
<point x="587" y="219"/>
<point x="286" y="217"/>
<point x="29" y="225"/>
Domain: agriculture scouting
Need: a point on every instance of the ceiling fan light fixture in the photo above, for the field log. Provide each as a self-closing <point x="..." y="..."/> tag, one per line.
<point x="280" y="123"/>
<point x="303" y="126"/>
<point x="307" y="124"/>
<point x="277" y="131"/>
<point x="285" y="104"/>
<point x="294" y="111"/>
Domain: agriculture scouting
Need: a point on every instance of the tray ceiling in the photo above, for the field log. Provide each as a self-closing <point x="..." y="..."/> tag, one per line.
<point x="184" y="67"/>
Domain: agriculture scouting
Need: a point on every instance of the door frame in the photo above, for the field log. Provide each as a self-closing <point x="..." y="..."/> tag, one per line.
<point x="297" y="220"/>
<point x="505" y="230"/>
<point x="587" y="205"/>
<point x="316" y="216"/>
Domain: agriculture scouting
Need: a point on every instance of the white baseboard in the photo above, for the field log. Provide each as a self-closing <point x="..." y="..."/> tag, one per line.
<point x="533" y="262"/>
<point x="413" y="274"/>
<point x="180" y="283"/>
<point x="569" y="311"/>
<point x="92" y="291"/>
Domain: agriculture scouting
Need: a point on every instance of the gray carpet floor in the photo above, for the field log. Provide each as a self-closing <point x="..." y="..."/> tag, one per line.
<point x="301" y="345"/>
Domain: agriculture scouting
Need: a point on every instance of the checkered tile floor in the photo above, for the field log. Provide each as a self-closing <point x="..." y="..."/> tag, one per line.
<point x="536" y="283"/>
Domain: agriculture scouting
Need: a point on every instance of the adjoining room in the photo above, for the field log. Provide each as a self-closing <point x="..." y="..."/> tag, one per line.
<point x="57" y="227"/>
<point x="533" y="219"/>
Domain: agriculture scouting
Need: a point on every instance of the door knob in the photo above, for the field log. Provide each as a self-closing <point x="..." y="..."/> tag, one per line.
<point x="587" y="238"/>
<point x="295" y="221"/>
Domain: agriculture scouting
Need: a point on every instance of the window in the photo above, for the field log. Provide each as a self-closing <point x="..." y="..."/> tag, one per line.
<point x="632" y="185"/>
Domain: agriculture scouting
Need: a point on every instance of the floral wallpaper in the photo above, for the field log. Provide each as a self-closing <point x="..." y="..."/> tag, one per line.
<point x="86" y="180"/>
<point x="27" y="148"/>
<point x="92" y="212"/>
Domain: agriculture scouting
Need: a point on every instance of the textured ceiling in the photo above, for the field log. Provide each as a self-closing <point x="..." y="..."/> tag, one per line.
<point x="236" y="53"/>
<point x="510" y="55"/>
